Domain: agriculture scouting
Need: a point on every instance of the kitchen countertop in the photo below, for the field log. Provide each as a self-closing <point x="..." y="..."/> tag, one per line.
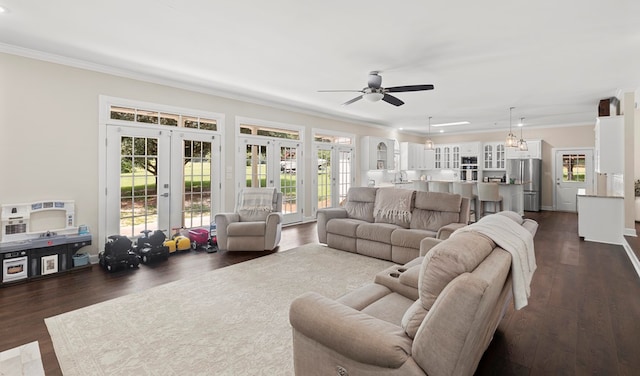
<point x="584" y="192"/>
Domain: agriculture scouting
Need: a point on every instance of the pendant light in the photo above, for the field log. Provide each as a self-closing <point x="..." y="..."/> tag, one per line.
<point x="522" y="144"/>
<point x="511" y="141"/>
<point x="428" y="144"/>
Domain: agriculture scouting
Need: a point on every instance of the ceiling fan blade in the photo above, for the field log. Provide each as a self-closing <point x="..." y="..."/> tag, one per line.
<point x="393" y="100"/>
<point x="398" y="89"/>
<point x="340" y="91"/>
<point x="352" y="100"/>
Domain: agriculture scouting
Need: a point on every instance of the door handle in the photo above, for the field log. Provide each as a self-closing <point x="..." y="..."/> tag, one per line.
<point x="166" y="194"/>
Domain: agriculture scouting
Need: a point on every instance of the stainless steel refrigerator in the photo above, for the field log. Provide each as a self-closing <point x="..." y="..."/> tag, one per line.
<point x="529" y="173"/>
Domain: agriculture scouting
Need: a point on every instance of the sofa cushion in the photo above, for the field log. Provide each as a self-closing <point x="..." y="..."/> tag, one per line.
<point x="449" y="259"/>
<point x="413" y="317"/>
<point x="379" y="232"/>
<point x="432" y="220"/>
<point x="438" y="201"/>
<point x="344" y="226"/>
<point x="360" y="202"/>
<point x="410" y="238"/>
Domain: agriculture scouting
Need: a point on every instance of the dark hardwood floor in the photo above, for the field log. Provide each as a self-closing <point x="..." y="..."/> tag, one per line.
<point x="582" y="317"/>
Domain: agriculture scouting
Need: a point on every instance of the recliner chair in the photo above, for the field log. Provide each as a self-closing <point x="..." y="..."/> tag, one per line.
<point x="256" y="224"/>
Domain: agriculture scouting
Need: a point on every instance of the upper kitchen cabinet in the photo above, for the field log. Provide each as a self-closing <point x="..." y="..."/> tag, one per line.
<point x="609" y="145"/>
<point x="447" y="156"/>
<point x="377" y="153"/>
<point x="413" y="156"/>
<point x="493" y="156"/>
<point x="534" y="151"/>
<point x="470" y="149"/>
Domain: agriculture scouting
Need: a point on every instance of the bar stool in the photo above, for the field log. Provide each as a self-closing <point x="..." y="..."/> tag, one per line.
<point x="466" y="190"/>
<point x="439" y="186"/>
<point x="489" y="192"/>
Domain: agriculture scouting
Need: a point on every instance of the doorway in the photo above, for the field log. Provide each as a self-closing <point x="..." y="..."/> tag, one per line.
<point x="573" y="170"/>
<point x="334" y="175"/>
<point x="160" y="179"/>
<point x="270" y="162"/>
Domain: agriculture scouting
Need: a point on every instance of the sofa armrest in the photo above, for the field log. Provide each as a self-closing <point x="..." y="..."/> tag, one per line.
<point x="427" y="243"/>
<point x="350" y="332"/>
<point x="222" y="222"/>
<point x="273" y="230"/>
<point x="323" y="216"/>
<point x="445" y="231"/>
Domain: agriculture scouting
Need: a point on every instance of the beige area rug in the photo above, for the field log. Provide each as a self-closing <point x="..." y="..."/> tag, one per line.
<point x="22" y="361"/>
<point x="230" y="321"/>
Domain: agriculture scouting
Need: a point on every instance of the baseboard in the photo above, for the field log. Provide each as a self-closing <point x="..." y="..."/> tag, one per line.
<point x="630" y="232"/>
<point x="632" y="257"/>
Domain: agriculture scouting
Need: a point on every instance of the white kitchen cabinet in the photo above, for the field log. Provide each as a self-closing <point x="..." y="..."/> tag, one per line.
<point x="493" y="156"/>
<point x="609" y="145"/>
<point x="413" y="156"/>
<point x="409" y="156"/>
<point x="429" y="159"/>
<point x="437" y="157"/>
<point x="468" y="149"/>
<point x="455" y="156"/>
<point x="377" y="153"/>
<point x="447" y="156"/>
<point x="534" y="151"/>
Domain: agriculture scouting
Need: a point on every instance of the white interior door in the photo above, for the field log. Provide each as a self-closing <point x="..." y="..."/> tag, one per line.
<point x="573" y="170"/>
<point x="160" y="179"/>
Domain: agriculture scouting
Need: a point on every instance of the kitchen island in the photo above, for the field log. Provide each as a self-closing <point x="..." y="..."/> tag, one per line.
<point x="600" y="217"/>
<point x="512" y="194"/>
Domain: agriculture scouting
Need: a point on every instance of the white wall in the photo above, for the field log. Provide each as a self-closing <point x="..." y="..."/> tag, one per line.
<point x="49" y="131"/>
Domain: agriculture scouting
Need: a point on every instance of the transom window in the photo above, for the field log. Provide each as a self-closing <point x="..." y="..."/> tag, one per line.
<point x="260" y="130"/>
<point x="142" y="116"/>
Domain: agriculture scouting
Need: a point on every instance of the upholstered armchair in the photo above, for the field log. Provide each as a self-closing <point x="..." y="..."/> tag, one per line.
<point x="256" y="224"/>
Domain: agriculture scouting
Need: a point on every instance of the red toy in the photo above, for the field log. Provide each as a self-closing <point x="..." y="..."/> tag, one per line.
<point x="199" y="238"/>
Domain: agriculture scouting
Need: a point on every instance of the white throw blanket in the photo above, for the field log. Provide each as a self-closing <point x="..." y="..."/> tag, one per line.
<point x="393" y="203"/>
<point x="516" y="240"/>
<point x="256" y="199"/>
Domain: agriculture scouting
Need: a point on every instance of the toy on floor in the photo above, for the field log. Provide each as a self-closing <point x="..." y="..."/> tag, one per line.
<point x="178" y="242"/>
<point x="213" y="238"/>
<point x="199" y="238"/>
<point x="150" y="247"/>
<point x="118" y="254"/>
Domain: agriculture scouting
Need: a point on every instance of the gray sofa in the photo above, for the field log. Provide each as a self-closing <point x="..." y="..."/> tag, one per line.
<point x="359" y="226"/>
<point x="434" y="316"/>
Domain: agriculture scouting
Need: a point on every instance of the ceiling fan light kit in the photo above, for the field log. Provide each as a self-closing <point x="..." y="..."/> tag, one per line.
<point x="373" y="97"/>
<point x="375" y="92"/>
<point x="511" y="141"/>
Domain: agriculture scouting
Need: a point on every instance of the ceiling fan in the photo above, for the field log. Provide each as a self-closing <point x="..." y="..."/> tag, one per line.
<point x="374" y="91"/>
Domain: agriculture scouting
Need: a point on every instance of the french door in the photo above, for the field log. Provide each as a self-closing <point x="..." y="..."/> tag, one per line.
<point x="160" y="179"/>
<point x="573" y="170"/>
<point x="334" y="175"/>
<point x="275" y="163"/>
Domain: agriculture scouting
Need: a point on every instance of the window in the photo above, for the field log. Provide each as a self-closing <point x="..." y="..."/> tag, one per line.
<point x="573" y="168"/>
<point x="142" y="116"/>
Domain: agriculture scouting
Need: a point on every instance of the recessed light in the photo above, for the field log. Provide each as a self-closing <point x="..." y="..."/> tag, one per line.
<point x="449" y="124"/>
<point x="441" y="130"/>
<point x="3" y="9"/>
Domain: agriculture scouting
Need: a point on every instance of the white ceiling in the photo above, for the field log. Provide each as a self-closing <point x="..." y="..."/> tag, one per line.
<point x="551" y="60"/>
